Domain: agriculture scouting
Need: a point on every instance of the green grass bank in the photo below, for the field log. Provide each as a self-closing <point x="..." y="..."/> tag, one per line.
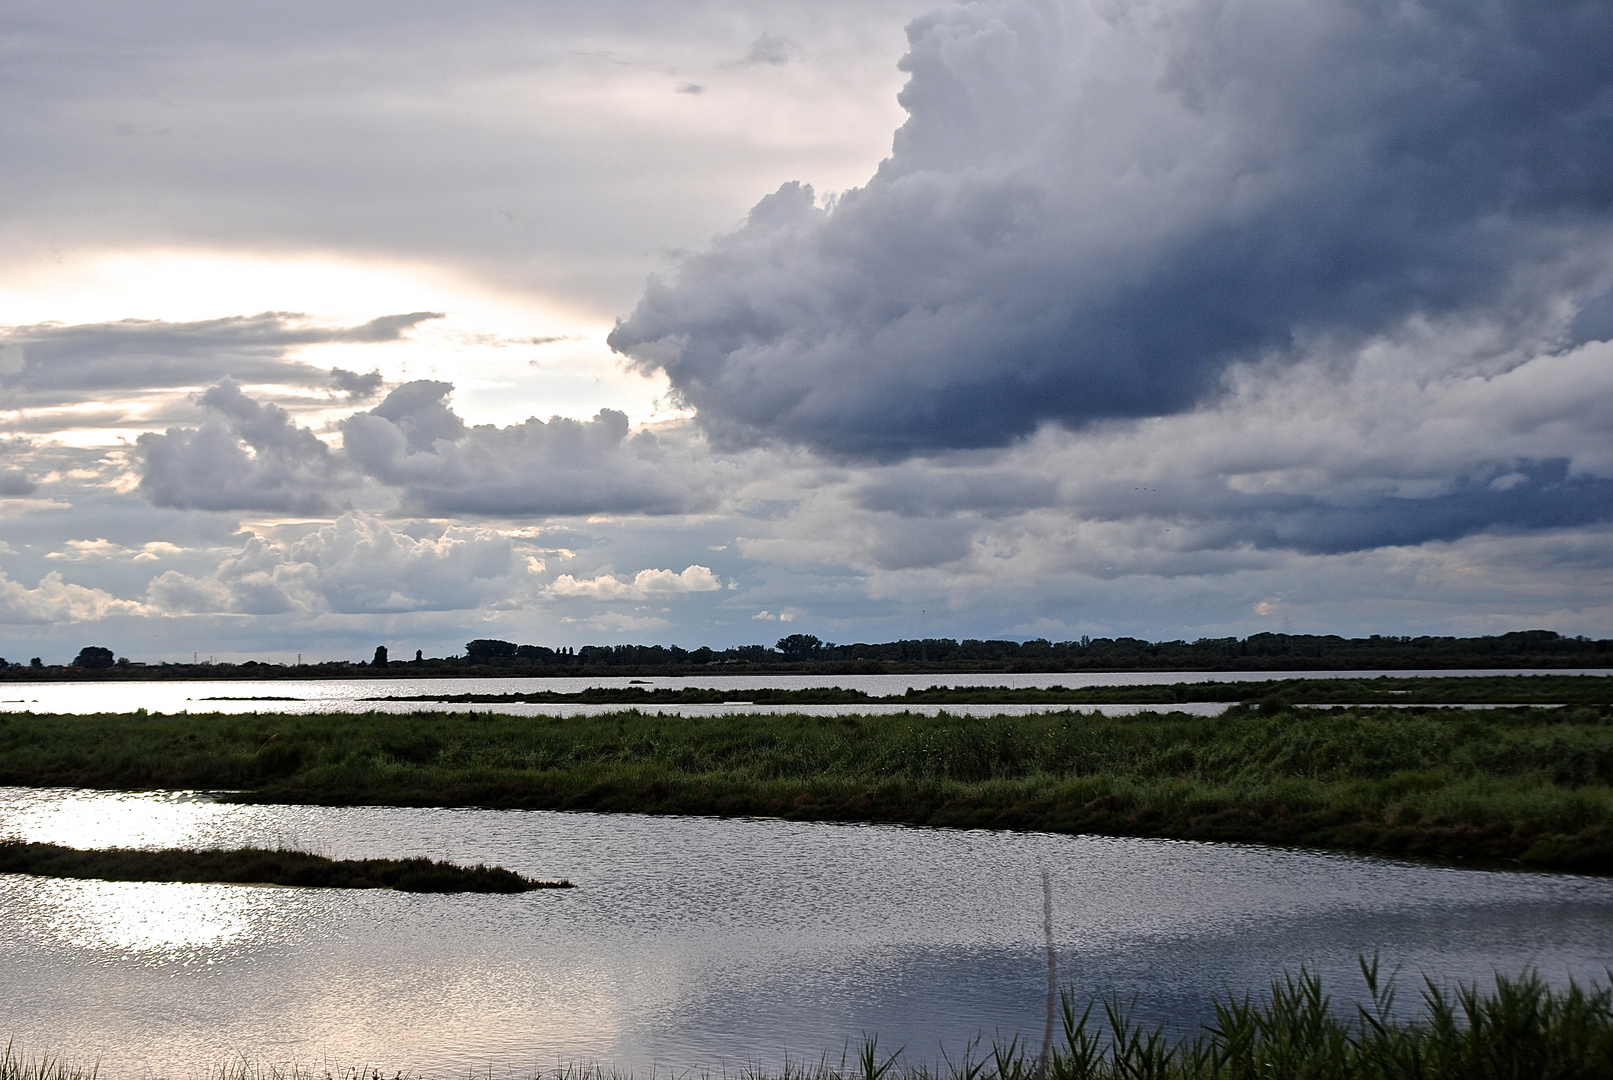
<point x="1534" y="785"/>
<point x="1379" y="690"/>
<point x="1520" y="1029"/>
<point x="262" y="866"/>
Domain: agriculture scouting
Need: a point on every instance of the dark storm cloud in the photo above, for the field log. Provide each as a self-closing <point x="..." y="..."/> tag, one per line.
<point x="15" y="456"/>
<point x="357" y="387"/>
<point x="15" y="482"/>
<point x="1539" y="495"/>
<point x="770" y="50"/>
<point x="252" y="456"/>
<point x="1088" y="219"/>
<point x="52" y="363"/>
<point x="1527" y="496"/>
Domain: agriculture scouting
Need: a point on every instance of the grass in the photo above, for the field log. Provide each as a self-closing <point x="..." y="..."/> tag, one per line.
<point x="1469" y="690"/>
<point x="261" y="866"/>
<point x="13" y="1066"/>
<point x="1520" y="1030"/>
<point x="1534" y="785"/>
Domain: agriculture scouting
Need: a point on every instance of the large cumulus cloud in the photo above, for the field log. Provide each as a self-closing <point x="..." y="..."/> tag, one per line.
<point x="246" y="456"/>
<point x="254" y="456"/>
<point x="415" y="442"/>
<point x="1094" y="210"/>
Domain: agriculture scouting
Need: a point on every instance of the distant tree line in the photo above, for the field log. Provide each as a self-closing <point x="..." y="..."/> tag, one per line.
<point x="1527" y="648"/>
<point x="805" y="652"/>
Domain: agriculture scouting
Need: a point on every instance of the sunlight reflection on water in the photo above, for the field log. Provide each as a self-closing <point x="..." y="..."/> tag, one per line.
<point x="697" y="942"/>
<point x="358" y="694"/>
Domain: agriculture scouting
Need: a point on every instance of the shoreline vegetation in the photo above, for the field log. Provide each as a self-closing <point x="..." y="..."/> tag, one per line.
<point x="1382" y="690"/>
<point x="804" y="654"/>
<point x="1521" y="1028"/>
<point x="262" y="866"/>
<point x="1531" y="785"/>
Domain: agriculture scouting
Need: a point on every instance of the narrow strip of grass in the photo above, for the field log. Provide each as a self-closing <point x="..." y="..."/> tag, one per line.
<point x="1469" y="690"/>
<point x="1520" y="1029"/>
<point x="261" y="866"/>
<point x="1534" y="785"/>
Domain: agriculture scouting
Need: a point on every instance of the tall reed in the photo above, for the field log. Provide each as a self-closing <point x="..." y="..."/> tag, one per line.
<point x="13" y="1066"/>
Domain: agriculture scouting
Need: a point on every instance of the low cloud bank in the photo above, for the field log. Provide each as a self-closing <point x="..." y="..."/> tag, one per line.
<point x="355" y="565"/>
<point x="53" y="364"/>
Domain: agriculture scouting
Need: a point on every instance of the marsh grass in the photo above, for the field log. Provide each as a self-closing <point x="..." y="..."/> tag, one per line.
<point x="262" y="866"/>
<point x="1529" y="784"/>
<point x="1591" y="690"/>
<point x="13" y="1066"/>
<point x="1520" y="1030"/>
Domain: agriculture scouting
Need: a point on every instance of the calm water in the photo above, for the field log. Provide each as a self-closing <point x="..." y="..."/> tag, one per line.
<point x="353" y="695"/>
<point x="700" y="942"/>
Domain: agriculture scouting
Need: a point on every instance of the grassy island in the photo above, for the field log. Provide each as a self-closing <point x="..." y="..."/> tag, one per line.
<point x="1382" y="690"/>
<point x="1527" y="784"/>
<point x="261" y="866"/>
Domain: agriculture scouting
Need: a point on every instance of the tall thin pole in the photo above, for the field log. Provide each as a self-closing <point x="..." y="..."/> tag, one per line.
<point x="1052" y="974"/>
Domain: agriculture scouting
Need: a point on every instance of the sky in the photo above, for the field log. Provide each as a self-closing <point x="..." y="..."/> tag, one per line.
<point x="325" y="326"/>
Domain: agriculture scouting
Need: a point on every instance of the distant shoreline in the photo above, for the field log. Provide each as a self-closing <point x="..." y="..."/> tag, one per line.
<point x="1466" y="690"/>
<point x="451" y="671"/>
<point x="1541" y="650"/>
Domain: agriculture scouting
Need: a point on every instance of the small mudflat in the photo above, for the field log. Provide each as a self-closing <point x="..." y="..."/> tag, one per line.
<point x="261" y="866"/>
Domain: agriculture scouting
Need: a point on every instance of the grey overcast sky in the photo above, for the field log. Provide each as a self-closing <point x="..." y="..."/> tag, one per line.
<point x="329" y="325"/>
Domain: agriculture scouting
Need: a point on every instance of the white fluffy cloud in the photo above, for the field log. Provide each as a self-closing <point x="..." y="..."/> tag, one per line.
<point x="356" y="565"/>
<point x="645" y="585"/>
<point x="54" y="600"/>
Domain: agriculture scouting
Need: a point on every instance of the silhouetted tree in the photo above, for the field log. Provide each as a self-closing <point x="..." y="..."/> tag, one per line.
<point x="489" y="648"/>
<point x="380" y="657"/>
<point x="93" y="656"/>
<point x="799" y="646"/>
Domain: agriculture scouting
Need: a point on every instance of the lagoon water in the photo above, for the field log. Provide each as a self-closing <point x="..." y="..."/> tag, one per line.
<point x="695" y="942"/>
<point x="360" y="695"/>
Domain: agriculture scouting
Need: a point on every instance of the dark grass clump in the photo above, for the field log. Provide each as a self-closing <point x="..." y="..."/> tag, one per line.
<point x="1523" y="1028"/>
<point x="260" y="866"/>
